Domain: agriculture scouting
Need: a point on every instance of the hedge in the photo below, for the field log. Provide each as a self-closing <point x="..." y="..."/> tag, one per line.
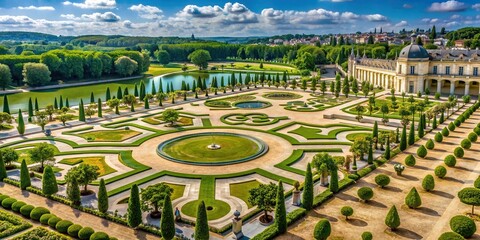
<point x="365" y="193"/>
<point x="382" y="180"/>
<point x="3" y="197"/>
<point x="52" y="222"/>
<point x="45" y="217"/>
<point x="451" y="236"/>
<point x="73" y="230"/>
<point x="17" y="205"/>
<point x="62" y="226"/>
<point x="38" y="212"/>
<point x="85" y="233"/>
<point x="99" y="236"/>
<point x="26" y="210"/>
<point x="463" y="225"/>
<point x="8" y="202"/>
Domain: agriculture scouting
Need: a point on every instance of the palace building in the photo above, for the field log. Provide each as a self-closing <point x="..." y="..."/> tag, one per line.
<point x="450" y="72"/>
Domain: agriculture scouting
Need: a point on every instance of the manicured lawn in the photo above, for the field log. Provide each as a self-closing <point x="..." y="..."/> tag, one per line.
<point x="194" y="149"/>
<point x="109" y="135"/>
<point x="11" y="224"/>
<point x="250" y="119"/>
<point x="178" y="191"/>
<point x="157" y="69"/>
<point x="94" y="161"/>
<point x="229" y="102"/>
<point x="41" y="233"/>
<point x="308" y="133"/>
<point x="281" y="95"/>
<point x="157" y="120"/>
<point x="352" y="136"/>
<point x="241" y="190"/>
<point x="312" y="132"/>
<point x="24" y="152"/>
<point x="256" y="67"/>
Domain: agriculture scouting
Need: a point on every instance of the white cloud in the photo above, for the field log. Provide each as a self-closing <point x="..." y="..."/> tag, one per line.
<point x="39" y="8"/>
<point x="430" y="20"/>
<point x="93" y="4"/>
<point x="146" y="11"/>
<point x="69" y="16"/>
<point x="448" y="6"/>
<point x="406" y="5"/>
<point x="476" y="6"/>
<point x="402" y="24"/>
<point x="455" y="16"/>
<point x="15" y="20"/>
<point x="376" y="18"/>
<point x="231" y="13"/>
<point x="101" y="17"/>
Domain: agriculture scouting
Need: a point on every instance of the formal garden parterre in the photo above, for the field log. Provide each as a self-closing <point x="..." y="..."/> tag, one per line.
<point x="111" y="167"/>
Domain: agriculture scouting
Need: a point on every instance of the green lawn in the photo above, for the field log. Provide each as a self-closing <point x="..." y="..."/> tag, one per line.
<point x="98" y="161"/>
<point x="229" y="102"/>
<point x="157" y="69"/>
<point x="256" y="67"/>
<point x="241" y="190"/>
<point x="194" y="148"/>
<point x="313" y="133"/>
<point x="178" y="191"/>
<point x="281" y="95"/>
<point x="157" y="120"/>
<point x="24" y="152"/>
<point x="11" y="224"/>
<point x="352" y="136"/>
<point x="109" y="135"/>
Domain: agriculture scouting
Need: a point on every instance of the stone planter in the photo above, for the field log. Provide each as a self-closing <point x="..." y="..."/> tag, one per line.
<point x="296" y="198"/>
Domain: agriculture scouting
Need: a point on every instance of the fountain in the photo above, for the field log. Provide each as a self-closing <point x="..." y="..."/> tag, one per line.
<point x="213" y="146"/>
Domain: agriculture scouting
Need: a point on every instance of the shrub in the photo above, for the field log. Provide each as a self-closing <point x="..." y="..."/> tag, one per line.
<point x="382" y="180"/>
<point x="392" y="220"/>
<point x="17" y="205"/>
<point x="467" y="144"/>
<point x="410" y="160"/>
<point x="73" y="230"/>
<point x="457" y="123"/>
<point x="63" y="226"/>
<point x="477" y="130"/>
<point x="438" y="137"/>
<point x="450" y="161"/>
<point x="99" y="236"/>
<point x="3" y="197"/>
<point x="52" y="222"/>
<point x="451" y="126"/>
<point x="430" y="144"/>
<point x="367" y="236"/>
<point x="85" y="233"/>
<point x="463" y="225"/>
<point x="422" y="151"/>
<point x="8" y="202"/>
<point x="451" y="236"/>
<point x="322" y="230"/>
<point x="428" y="183"/>
<point x="347" y="211"/>
<point x="440" y="171"/>
<point x="459" y="152"/>
<point x="473" y="137"/>
<point x="365" y="193"/>
<point x="45" y="217"/>
<point x="413" y="200"/>
<point x="38" y="212"/>
<point x="25" y="210"/>
<point x="445" y="132"/>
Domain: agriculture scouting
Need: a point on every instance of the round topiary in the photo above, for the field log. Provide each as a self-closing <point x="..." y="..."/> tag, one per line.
<point x="45" y="217"/>
<point x="428" y="183"/>
<point x="445" y="132"/>
<point x="52" y="222"/>
<point x="8" y="202"/>
<point x="461" y="118"/>
<point x="440" y="171"/>
<point x="477" y="130"/>
<point x="382" y="180"/>
<point x="346" y="211"/>
<point x="450" y="161"/>
<point x="99" y="236"/>
<point x="457" y="122"/>
<point x="451" y="236"/>
<point x="451" y="126"/>
<point x="430" y="144"/>
<point x="3" y="197"/>
<point x="25" y="210"/>
<point x="473" y="137"/>
<point x="410" y="160"/>
<point x="322" y="230"/>
<point x="85" y="233"/>
<point x="367" y="236"/>
<point x="463" y="225"/>
<point x="63" y="226"/>
<point x="17" y="205"/>
<point x="73" y="230"/>
<point x="467" y="144"/>
<point x="422" y="151"/>
<point x="458" y="152"/>
<point x="38" y="212"/>
<point x="365" y="193"/>
<point x="438" y="137"/>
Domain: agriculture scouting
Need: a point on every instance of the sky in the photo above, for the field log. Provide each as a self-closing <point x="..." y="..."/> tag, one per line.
<point x="209" y="18"/>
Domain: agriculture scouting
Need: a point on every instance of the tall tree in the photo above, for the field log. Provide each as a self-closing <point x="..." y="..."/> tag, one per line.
<point x="30" y="109"/>
<point x="5" y="76"/>
<point x="3" y="170"/>
<point x="73" y="192"/>
<point x="102" y="197"/>
<point x="307" y="195"/>
<point x="21" y="123"/>
<point x="411" y="134"/>
<point x="81" y="111"/>
<point x="280" y="210"/>
<point x="49" y="182"/>
<point x="6" y="106"/>
<point x="99" y="110"/>
<point x="201" y="225"/>
<point x="24" y="176"/>
<point x="134" y="213"/>
<point x="403" y="141"/>
<point x="167" y="222"/>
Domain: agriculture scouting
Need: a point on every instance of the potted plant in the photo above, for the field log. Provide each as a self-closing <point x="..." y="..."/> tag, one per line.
<point x="296" y="194"/>
<point x="399" y="168"/>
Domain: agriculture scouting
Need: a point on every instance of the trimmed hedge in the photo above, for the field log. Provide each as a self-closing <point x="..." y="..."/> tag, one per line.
<point x="458" y="152"/>
<point x="477" y="130"/>
<point x="473" y="137"/>
<point x="73" y="230"/>
<point x="8" y="202"/>
<point x="322" y="230"/>
<point x="99" y="236"/>
<point x="3" y="197"/>
<point x="45" y="217"/>
<point x="26" y="210"/>
<point x="445" y="132"/>
<point x="38" y="212"/>
<point x="17" y="205"/>
<point x="440" y="171"/>
<point x="63" y="226"/>
<point x="410" y="160"/>
<point x="85" y="233"/>
<point x="451" y="236"/>
<point x="422" y="151"/>
<point x="450" y="161"/>
<point x="367" y="236"/>
<point x="365" y="193"/>
<point x="451" y="126"/>
<point x="438" y="137"/>
<point x="52" y="222"/>
<point x="467" y="144"/>
<point x="428" y="183"/>
<point x="463" y="225"/>
<point x="430" y="144"/>
<point x="382" y="180"/>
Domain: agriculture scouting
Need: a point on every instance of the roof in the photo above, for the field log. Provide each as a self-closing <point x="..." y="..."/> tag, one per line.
<point x="414" y="51"/>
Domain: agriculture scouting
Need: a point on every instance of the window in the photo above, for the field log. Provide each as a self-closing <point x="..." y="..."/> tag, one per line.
<point x="400" y="69"/>
<point x="435" y="68"/>
<point x="412" y="69"/>
<point x="447" y="70"/>
<point x="460" y="71"/>
<point x="475" y="71"/>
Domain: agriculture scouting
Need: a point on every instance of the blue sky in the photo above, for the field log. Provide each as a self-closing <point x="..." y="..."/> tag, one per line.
<point x="232" y="18"/>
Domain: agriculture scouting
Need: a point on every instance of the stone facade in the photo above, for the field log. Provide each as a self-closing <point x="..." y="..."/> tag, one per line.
<point x="450" y="72"/>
